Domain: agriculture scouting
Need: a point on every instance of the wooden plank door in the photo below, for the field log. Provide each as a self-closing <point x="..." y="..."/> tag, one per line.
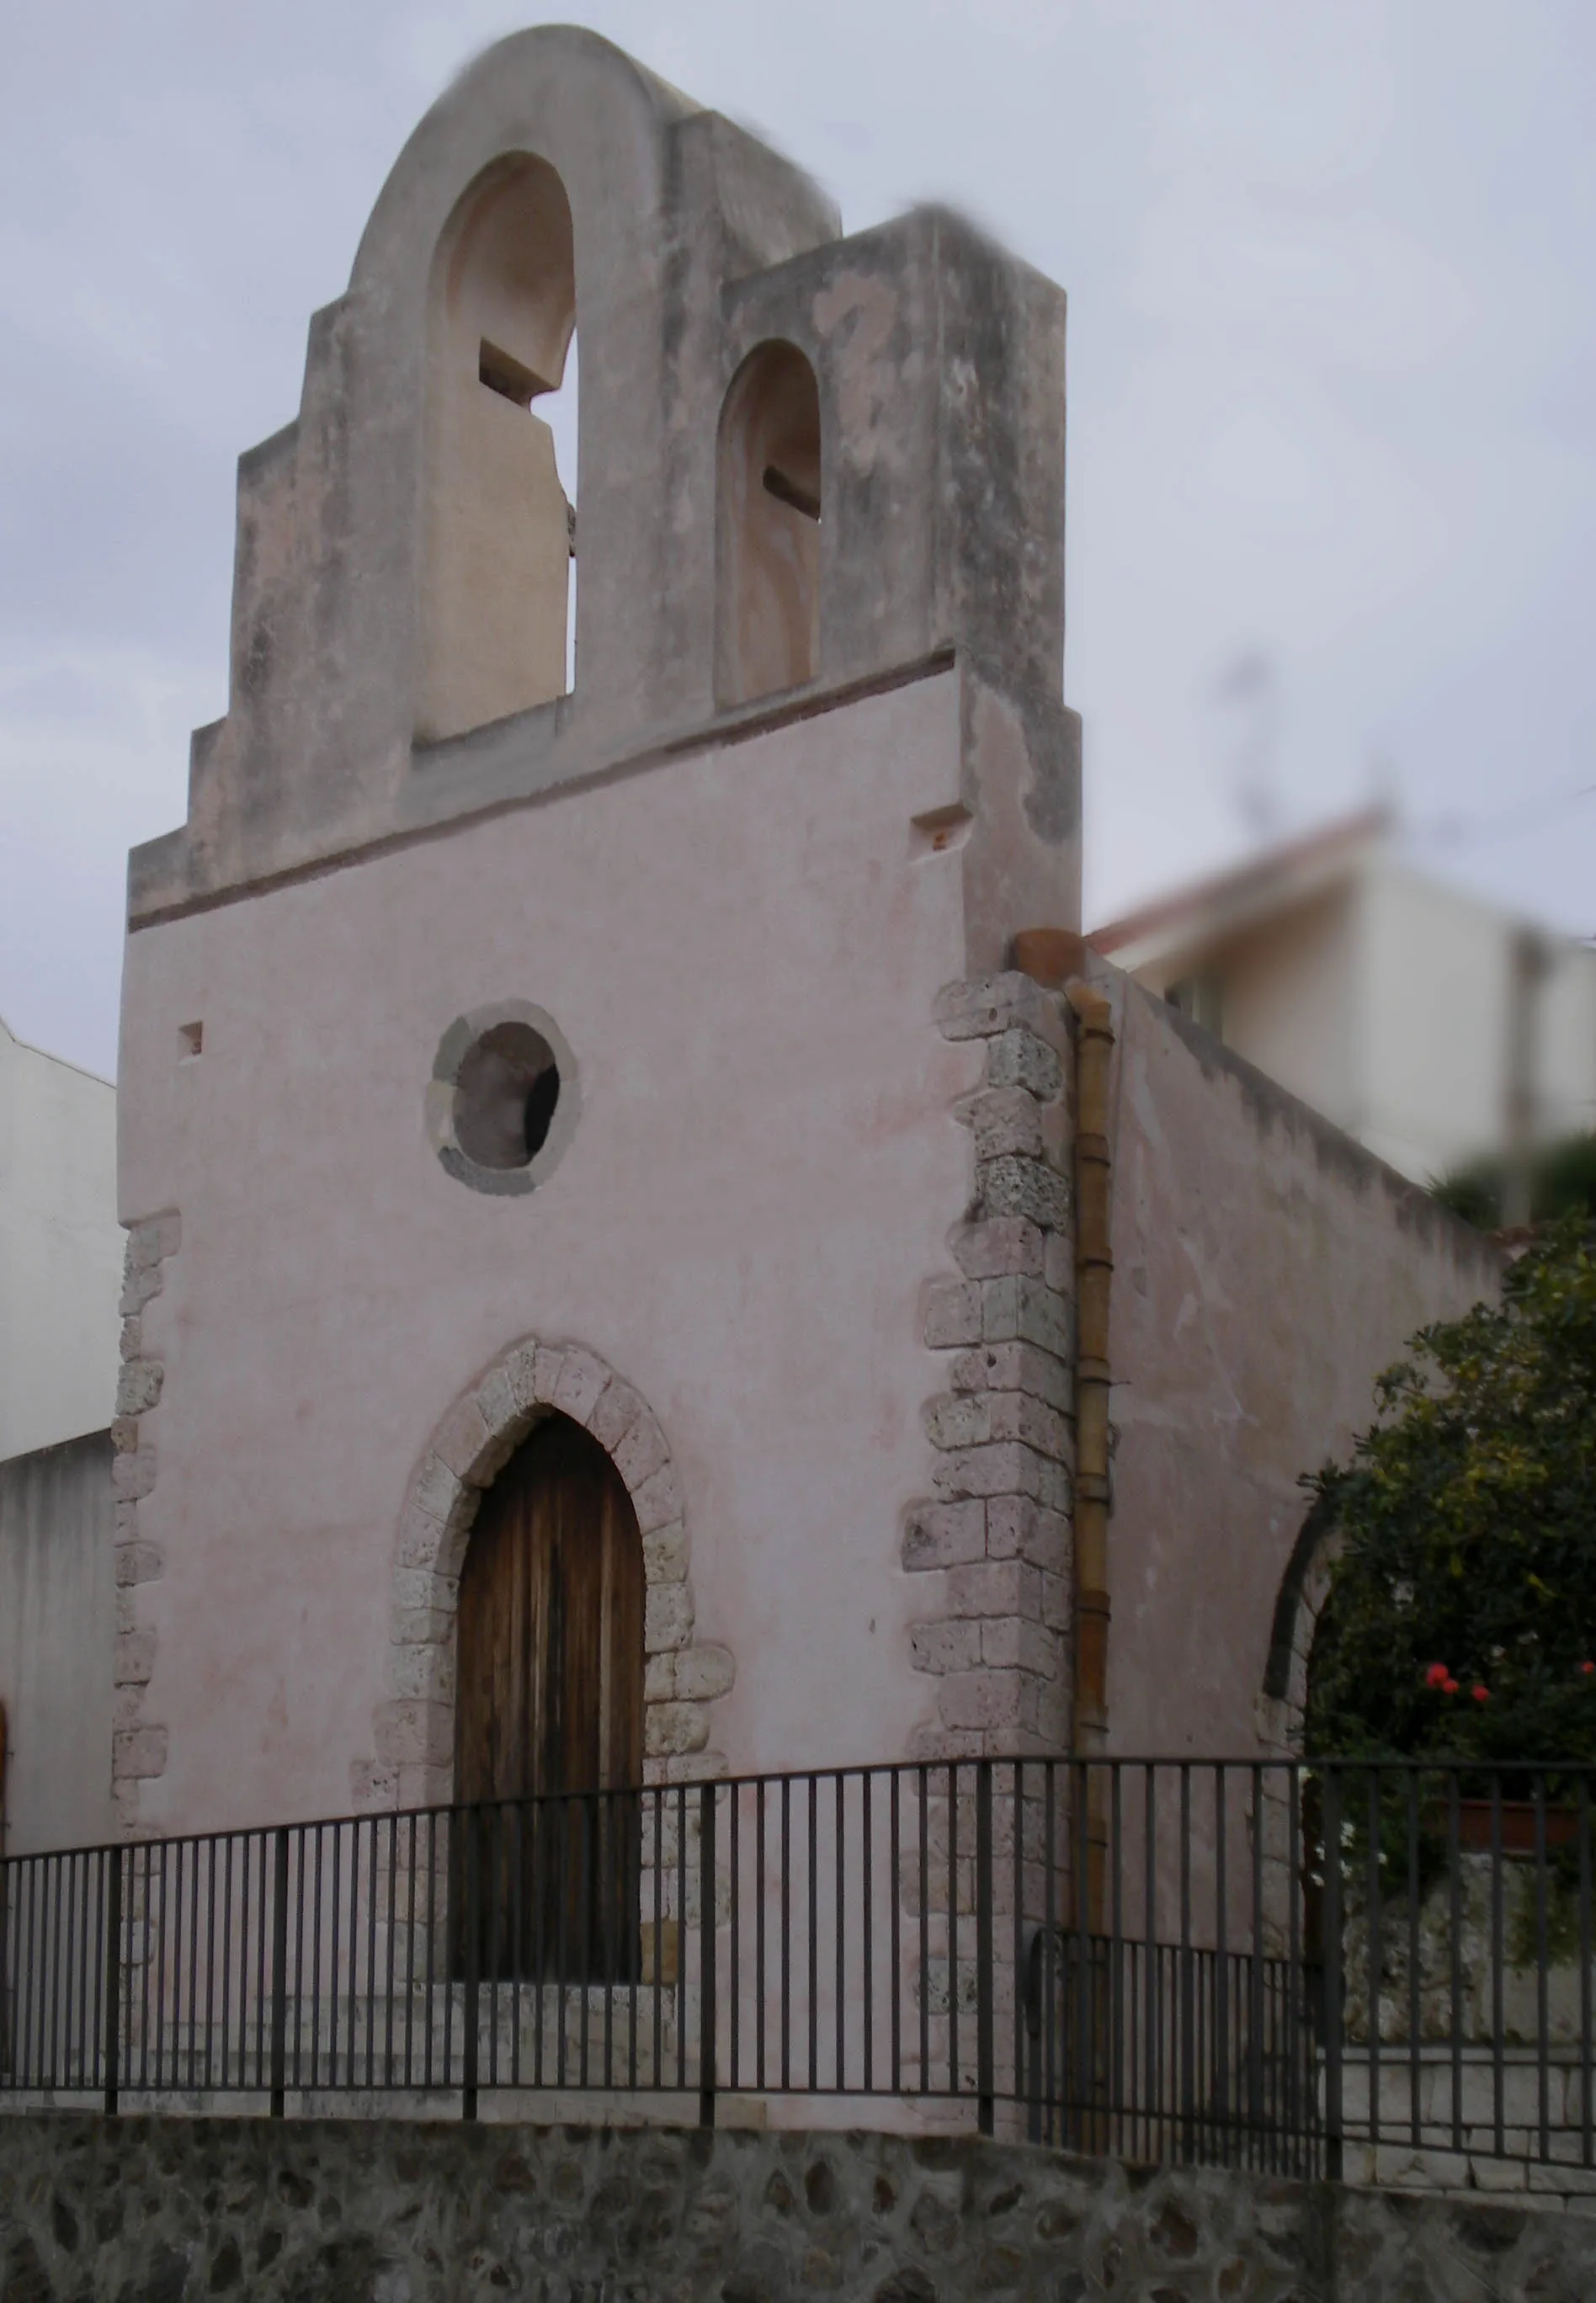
<point x="549" y="1707"/>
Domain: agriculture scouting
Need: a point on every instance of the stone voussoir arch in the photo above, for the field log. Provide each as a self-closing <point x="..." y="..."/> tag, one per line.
<point x="682" y="1677"/>
<point x="1281" y="1711"/>
<point x="1304" y="1587"/>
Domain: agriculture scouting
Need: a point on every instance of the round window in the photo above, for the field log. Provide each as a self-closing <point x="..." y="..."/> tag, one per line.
<point x="502" y="1102"/>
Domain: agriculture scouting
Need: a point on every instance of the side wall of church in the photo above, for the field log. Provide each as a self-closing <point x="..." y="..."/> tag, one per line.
<point x="1266" y="1270"/>
<point x="744" y="951"/>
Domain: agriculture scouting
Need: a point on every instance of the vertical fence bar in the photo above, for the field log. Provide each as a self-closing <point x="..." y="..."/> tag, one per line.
<point x="1455" y="1946"/>
<point x="1016" y="1775"/>
<point x="1186" y="2052"/>
<point x="1115" y="2104"/>
<point x="1334" y="2010"/>
<point x="1374" y="1802"/>
<point x="371" y="1876"/>
<point x="409" y="1945"/>
<point x="786" y="1933"/>
<point x="984" y="2081"/>
<point x="867" y="1849"/>
<point x="812" y="1916"/>
<point x="586" y="1823"/>
<point x="159" y="1952"/>
<point x="1299" y="2030"/>
<point x="7" y="1989"/>
<point x="1257" y="2120"/>
<point x="279" y="1971"/>
<point x="1585" y="2075"/>
<point x="954" y="2086"/>
<point x="925" y="1902"/>
<point x="95" y="2031"/>
<point x="210" y="1963"/>
<point x="197" y="1853"/>
<point x="1414" y="2065"/>
<point x="1046" y="2084"/>
<point x="706" y="1955"/>
<point x="838" y="1987"/>
<point x="1222" y="2110"/>
<point x="113" y="2033"/>
<point x="1153" y="2019"/>
<point x="681" y="1924"/>
<point x="473" y="1962"/>
<point x="1080" y="2056"/>
<point x="227" y="1964"/>
<point x="895" y="1906"/>
<point x="1542" y="1952"/>
<point x="759" y="1924"/>
<point x="1497" y="2019"/>
<point x="391" y="1905"/>
<point x="734" y="2004"/>
<point x="56" y="1960"/>
<point x="658" y="1804"/>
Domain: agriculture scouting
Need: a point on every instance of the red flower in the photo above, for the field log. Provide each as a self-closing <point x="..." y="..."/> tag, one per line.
<point x="1480" y="1694"/>
<point x="1450" y="1686"/>
<point x="1436" y="1676"/>
<point x="1588" y="1667"/>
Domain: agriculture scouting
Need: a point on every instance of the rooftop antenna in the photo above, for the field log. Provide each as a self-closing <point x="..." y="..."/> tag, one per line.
<point x="1249" y="688"/>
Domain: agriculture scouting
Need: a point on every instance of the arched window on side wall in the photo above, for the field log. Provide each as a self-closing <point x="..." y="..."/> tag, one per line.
<point x="768" y="512"/>
<point x="500" y="534"/>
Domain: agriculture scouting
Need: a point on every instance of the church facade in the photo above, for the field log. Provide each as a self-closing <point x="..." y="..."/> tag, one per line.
<point x="602" y="1157"/>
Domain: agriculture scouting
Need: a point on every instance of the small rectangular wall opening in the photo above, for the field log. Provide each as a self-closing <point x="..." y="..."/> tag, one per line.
<point x="939" y="829"/>
<point x="191" y="1040"/>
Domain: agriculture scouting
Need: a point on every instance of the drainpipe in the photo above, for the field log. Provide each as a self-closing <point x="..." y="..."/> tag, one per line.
<point x="1094" y="1278"/>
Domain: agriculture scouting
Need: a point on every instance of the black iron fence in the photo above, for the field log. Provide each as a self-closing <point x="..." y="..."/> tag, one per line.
<point x="1380" y="1971"/>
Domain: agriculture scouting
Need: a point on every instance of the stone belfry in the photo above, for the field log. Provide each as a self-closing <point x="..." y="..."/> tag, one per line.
<point x="613" y="1084"/>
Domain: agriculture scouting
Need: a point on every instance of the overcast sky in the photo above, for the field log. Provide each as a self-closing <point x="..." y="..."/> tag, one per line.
<point x="1332" y="388"/>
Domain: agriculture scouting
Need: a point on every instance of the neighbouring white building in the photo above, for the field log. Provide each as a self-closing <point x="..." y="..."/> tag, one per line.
<point x="1428" y="1024"/>
<point x="61" y="1254"/>
<point x="61" y="1249"/>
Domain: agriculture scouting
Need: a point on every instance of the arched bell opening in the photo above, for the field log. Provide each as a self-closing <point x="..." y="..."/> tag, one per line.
<point x="549" y="1718"/>
<point x="768" y="513"/>
<point x="497" y="589"/>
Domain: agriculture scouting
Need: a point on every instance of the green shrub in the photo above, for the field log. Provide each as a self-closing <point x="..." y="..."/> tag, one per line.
<point x="1461" y="1619"/>
<point x="1562" y="1183"/>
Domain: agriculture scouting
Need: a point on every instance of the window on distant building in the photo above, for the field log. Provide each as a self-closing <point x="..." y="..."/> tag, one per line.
<point x="1199" y="996"/>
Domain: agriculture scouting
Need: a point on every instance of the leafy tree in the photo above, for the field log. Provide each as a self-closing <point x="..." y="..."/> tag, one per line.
<point x="1461" y="1620"/>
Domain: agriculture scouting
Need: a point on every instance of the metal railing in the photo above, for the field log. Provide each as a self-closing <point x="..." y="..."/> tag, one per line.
<point x="1303" y="1968"/>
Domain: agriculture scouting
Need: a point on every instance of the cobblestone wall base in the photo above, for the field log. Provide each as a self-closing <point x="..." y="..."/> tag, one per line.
<point x="372" y="2211"/>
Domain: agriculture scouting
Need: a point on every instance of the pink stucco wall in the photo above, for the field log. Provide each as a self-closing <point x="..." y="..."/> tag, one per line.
<point x="743" y="948"/>
<point x="1266" y="1269"/>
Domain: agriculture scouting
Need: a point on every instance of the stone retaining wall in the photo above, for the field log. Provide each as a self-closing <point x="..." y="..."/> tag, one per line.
<point x="144" y="2211"/>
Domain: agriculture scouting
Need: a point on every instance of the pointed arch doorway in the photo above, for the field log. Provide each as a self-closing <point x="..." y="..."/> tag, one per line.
<point x="549" y="1717"/>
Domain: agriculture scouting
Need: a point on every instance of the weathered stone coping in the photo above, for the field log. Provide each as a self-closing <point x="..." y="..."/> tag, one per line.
<point x="524" y="761"/>
<point x="383" y="2211"/>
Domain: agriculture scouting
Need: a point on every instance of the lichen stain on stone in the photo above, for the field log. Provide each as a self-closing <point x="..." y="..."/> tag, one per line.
<point x="863" y="314"/>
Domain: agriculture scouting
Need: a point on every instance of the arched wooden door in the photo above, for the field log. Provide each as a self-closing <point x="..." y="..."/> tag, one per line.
<point x="549" y="1708"/>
